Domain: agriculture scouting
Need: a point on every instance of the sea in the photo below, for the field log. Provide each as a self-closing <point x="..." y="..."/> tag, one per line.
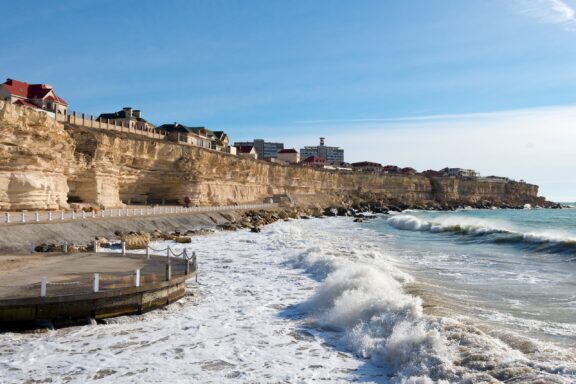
<point x="468" y="296"/>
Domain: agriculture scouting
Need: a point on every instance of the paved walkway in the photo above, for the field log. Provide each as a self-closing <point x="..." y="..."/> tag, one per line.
<point x="24" y="217"/>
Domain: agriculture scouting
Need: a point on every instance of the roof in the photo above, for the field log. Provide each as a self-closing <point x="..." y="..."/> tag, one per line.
<point x="220" y="135"/>
<point x="31" y="91"/>
<point x="119" y="115"/>
<point x="288" y="151"/>
<point x="366" y="164"/>
<point x="26" y="103"/>
<point x="313" y="159"/>
<point x="244" y="148"/>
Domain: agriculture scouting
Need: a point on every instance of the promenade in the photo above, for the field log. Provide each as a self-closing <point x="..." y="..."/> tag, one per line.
<point x="26" y="217"/>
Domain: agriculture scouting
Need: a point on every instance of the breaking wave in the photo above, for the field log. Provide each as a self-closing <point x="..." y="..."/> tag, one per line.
<point x="488" y="231"/>
<point x="363" y="300"/>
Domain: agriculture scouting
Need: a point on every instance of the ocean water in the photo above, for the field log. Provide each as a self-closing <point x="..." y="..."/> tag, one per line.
<point x="417" y="297"/>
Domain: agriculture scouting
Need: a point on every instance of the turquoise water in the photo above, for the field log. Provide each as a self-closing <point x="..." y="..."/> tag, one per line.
<point x="512" y="270"/>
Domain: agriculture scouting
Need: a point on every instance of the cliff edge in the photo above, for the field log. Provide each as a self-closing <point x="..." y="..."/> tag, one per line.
<point x="45" y="164"/>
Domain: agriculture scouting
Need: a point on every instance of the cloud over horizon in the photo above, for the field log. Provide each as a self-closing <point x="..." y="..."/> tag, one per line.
<point x="532" y="144"/>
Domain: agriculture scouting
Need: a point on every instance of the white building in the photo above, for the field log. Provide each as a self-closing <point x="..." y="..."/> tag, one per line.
<point x="289" y="155"/>
<point x="265" y="149"/>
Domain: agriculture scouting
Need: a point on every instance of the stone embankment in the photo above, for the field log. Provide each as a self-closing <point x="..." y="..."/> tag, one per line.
<point x="47" y="164"/>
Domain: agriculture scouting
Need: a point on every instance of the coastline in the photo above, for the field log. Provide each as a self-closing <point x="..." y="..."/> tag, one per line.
<point x="19" y="238"/>
<point x="330" y="305"/>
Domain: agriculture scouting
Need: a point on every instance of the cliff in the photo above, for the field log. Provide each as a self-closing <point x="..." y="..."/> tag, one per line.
<point x="45" y="164"/>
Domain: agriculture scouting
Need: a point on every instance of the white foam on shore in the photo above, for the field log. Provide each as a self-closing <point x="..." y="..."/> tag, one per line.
<point x="304" y="301"/>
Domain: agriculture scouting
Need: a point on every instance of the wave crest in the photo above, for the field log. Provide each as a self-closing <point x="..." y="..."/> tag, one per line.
<point x="488" y="231"/>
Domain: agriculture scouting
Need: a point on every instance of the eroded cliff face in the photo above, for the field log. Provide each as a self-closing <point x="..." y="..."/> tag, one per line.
<point x="47" y="165"/>
<point x="35" y="156"/>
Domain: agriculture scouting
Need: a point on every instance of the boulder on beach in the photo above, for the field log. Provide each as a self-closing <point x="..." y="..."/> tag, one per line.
<point x="136" y="240"/>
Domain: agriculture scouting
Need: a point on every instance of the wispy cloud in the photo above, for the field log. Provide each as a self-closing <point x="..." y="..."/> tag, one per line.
<point x="438" y="118"/>
<point x="550" y="12"/>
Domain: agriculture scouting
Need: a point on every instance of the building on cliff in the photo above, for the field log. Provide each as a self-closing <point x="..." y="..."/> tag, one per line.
<point x="460" y="172"/>
<point x="367" y="166"/>
<point x="126" y="117"/>
<point x="266" y="150"/>
<point x="198" y="136"/>
<point x="331" y="155"/>
<point x="314" y="161"/>
<point x="36" y="96"/>
<point x="291" y="156"/>
<point x="246" y="151"/>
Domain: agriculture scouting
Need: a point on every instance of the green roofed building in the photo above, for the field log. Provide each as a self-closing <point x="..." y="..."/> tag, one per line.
<point x="198" y="136"/>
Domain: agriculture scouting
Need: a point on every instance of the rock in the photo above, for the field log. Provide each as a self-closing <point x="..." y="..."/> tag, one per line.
<point x="331" y="212"/>
<point x="227" y="227"/>
<point x="183" y="239"/>
<point x="136" y="241"/>
<point x="255" y="229"/>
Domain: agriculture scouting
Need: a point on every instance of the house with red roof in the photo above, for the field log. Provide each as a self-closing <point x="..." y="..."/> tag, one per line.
<point x="314" y="161"/>
<point x="37" y="96"/>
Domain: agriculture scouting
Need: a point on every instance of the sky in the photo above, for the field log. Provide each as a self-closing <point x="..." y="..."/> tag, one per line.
<point x="482" y="84"/>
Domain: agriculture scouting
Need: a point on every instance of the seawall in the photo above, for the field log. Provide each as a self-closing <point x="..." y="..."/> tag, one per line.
<point x="45" y="164"/>
<point x="19" y="237"/>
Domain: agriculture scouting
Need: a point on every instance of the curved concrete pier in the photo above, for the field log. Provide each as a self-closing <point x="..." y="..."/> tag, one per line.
<point x="126" y="285"/>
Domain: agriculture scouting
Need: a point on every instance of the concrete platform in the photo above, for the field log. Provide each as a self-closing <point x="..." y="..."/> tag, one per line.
<point x="70" y="290"/>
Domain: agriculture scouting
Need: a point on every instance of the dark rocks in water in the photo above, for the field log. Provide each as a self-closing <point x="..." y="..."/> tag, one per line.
<point x="228" y="227"/>
<point x="358" y="220"/>
<point x="255" y="229"/>
<point x="331" y="212"/>
<point x="49" y="248"/>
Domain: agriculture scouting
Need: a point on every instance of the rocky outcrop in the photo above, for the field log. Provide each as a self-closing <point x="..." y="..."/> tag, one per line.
<point x="35" y="156"/>
<point x="48" y="165"/>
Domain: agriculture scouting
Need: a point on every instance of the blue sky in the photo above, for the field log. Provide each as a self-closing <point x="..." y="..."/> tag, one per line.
<point x="382" y="79"/>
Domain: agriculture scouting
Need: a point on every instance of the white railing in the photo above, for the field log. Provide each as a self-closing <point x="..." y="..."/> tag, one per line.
<point x="69" y="215"/>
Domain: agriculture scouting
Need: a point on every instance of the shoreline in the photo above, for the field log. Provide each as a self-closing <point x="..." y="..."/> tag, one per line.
<point x="19" y="238"/>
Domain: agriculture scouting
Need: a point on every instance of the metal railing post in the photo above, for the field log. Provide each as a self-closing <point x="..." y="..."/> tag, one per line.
<point x="43" y="284"/>
<point x="37" y="216"/>
<point x="96" y="286"/>
<point x="168" y="271"/>
<point x="49" y="216"/>
<point x="137" y="278"/>
<point x="123" y="244"/>
<point x="23" y="217"/>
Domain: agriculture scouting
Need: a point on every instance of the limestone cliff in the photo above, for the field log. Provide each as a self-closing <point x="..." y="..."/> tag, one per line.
<point x="46" y="165"/>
